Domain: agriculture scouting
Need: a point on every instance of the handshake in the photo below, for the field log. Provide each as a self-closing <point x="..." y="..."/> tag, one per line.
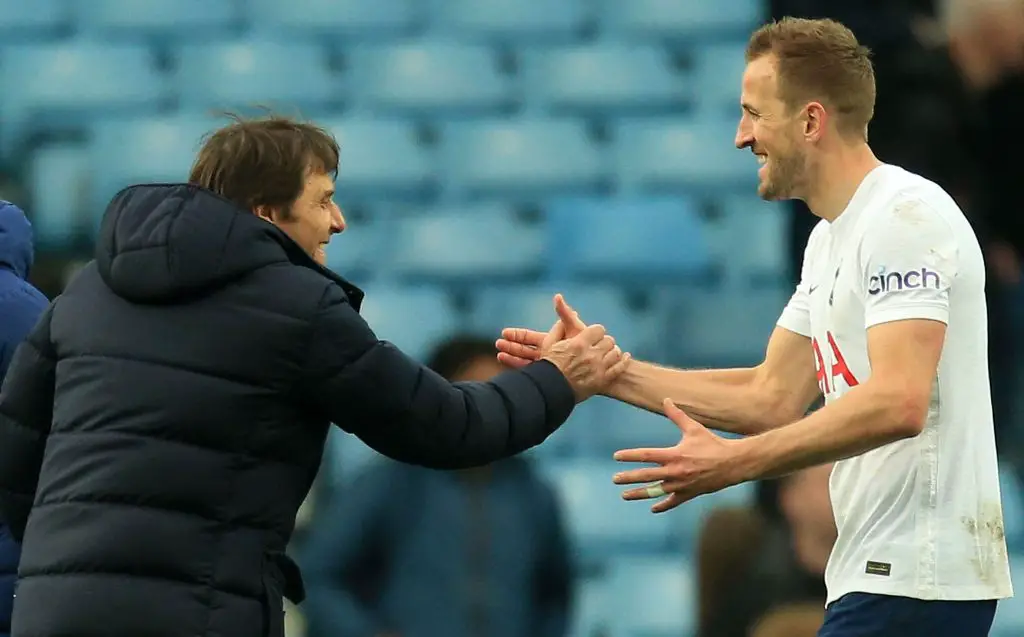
<point x="585" y="354"/>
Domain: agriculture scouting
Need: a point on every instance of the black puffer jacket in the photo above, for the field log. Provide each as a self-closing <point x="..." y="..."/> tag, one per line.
<point x="190" y="373"/>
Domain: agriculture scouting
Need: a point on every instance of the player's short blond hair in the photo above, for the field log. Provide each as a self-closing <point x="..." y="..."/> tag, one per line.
<point x="820" y="60"/>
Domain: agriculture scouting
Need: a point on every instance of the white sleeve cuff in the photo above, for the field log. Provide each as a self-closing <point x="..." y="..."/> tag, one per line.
<point x="928" y="311"/>
<point x="795" y="321"/>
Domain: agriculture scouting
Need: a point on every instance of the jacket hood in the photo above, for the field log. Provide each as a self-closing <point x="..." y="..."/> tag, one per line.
<point x="16" y="251"/>
<point x="164" y="243"/>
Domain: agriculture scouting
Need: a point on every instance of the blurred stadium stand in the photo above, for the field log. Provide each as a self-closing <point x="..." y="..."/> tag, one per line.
<point x="492" y="152"/>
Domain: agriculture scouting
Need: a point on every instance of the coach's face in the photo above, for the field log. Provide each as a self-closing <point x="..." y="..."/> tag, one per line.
<point x="770" y="131"/>
<point x="313" y="217"/>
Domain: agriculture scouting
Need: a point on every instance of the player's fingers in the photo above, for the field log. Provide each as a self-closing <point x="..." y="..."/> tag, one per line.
<point x="649" y="455"/>
<point x="567" y="314"/>
<point x="606" y="344"/>
<point x="612" y="357"/>
<point x="616" y="370"/>
<point x="647" y="474"/>
<point x="669" y="503"/>
<point x="651" y="491"/>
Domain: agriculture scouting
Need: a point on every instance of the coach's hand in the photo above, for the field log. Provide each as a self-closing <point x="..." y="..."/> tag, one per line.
<point x="701" y="463"/>
<point x="520" y="346"/>
<point x="590" y="360"/>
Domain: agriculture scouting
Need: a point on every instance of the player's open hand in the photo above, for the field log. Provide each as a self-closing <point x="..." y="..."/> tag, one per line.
<point x="520" y="346"/>
<point x="701" y="463"/>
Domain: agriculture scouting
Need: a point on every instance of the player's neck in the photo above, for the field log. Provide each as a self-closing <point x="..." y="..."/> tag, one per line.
<point x="839" y="176"/>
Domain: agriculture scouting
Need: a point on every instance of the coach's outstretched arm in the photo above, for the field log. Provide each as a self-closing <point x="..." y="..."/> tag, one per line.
<point x="744" y="400"/>
<point x="407" y="412"/>
<point x="26" y="409"/>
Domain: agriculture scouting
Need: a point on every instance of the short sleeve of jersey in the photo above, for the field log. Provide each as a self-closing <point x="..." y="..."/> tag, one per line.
<point x="796" y="316"/>
<point x="909" y="260"/>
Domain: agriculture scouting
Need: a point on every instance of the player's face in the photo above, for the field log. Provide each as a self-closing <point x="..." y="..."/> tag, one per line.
<point x="770" y="132"/>
<point x="314" y="217"/>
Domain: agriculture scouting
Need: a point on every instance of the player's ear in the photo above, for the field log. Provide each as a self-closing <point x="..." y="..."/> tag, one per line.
<point x="815" y="118"/>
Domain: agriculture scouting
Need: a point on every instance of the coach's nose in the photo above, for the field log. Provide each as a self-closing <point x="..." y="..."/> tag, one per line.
<point x="338" y="224"/>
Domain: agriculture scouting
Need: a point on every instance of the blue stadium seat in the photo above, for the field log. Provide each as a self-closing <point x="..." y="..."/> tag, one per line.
<point x="414" y="318"/>
<point x="180" y="19"/>
<point x="60" y="86"/>
<point x="643" y="240"/>
<point x="614" y="78"/>
<point x="481" y="243"/>
<point x="431" y="78"/>
<point x="58" y="181"/>
<point x="248" y="72"/>
<point x="726" y="328"/>
<point x="636" y="330"/>
<point x="345" y="457"/>
<point x="143" y="150"/>
<point x="348" y="19"/>
<point x="1013" y="507"/>
<point x="519" y="21"/>
<point x="718" y="78"/>
<point x="682" y="21"/>
<point x="652" y="597"/>
<point x="750" y="240"/>
<point x="590" y="615"/>
<point x="623" y="426"/>
<point x="600" y="522"/>
<point x="522" y="159"/>
<point x="683" y="155"/>
<point x="22" y="21"/>
<point x="380" y="158"/>
<point x="364" y="249"/>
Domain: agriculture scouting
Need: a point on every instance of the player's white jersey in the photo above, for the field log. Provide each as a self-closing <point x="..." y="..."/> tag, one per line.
<point x="921" y="517"/>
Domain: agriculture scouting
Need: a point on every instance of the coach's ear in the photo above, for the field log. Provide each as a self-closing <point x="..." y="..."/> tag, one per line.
<point x="267" y="213"/>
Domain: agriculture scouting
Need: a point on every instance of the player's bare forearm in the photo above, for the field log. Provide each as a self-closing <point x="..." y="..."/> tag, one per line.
<point x="867" y="417"/>
<point x="739" y="401"/>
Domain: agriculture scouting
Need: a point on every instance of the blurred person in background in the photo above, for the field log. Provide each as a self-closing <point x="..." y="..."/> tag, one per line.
<point x="763" y="567"/>
<point x="985" y="40"/>
<point x="476" y="553"/>
<point x="164" y="420"/>
<point x="21" y="305"/>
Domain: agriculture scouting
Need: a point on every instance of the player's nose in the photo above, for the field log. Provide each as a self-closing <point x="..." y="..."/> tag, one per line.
<point x="744" y="138"/>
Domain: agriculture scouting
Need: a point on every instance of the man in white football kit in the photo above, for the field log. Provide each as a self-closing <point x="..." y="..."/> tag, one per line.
<point x="888" y="323"/>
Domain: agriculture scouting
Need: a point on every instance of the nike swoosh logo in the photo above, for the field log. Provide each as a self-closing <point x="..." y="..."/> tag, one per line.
<point x="813" y="288"/>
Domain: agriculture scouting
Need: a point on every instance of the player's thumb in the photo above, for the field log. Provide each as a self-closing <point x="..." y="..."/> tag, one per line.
<point x="555" y="334"/>
<point x="686" y="424"/>
<point x="568" y="315"/>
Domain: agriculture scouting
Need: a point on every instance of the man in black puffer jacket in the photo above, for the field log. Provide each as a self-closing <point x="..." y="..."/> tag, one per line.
<point x="165" y="419"/>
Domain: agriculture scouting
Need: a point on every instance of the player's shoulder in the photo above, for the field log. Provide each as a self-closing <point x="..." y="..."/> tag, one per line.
<point x="902" y="190"/>
<point x="818" y="236"/>
<point x="905" y="202"/>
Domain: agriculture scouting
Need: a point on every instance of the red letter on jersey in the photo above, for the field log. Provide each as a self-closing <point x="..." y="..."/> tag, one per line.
<point x="838" y="367"/>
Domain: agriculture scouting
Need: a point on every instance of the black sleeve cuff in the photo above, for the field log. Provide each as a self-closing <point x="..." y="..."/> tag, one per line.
<point x="559" y="397"/>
